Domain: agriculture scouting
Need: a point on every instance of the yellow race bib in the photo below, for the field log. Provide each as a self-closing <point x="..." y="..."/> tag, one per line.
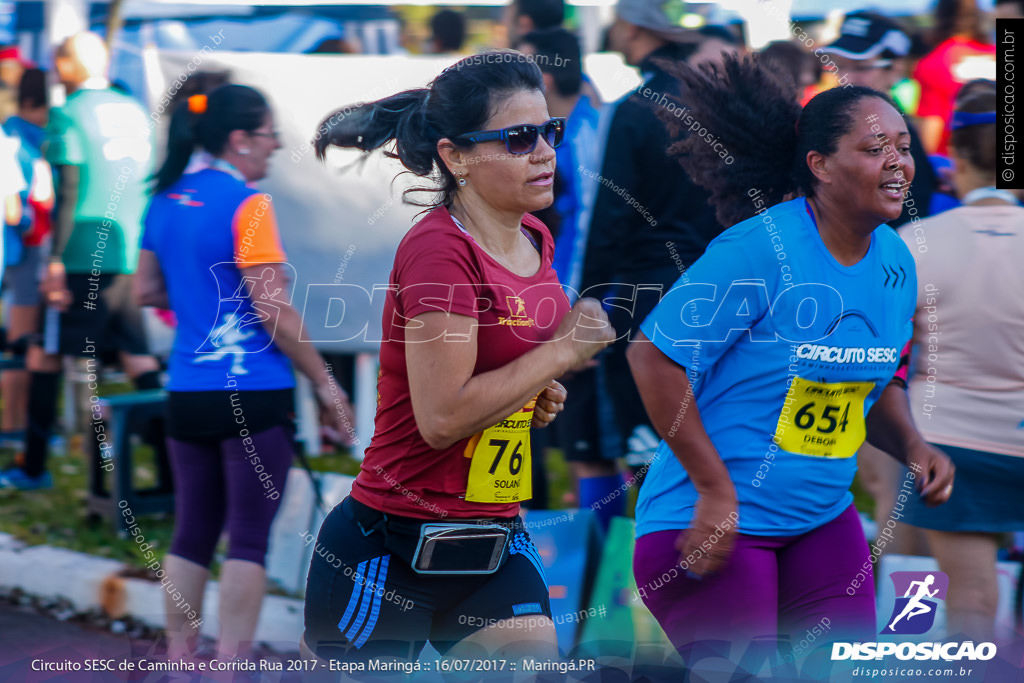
<point x="823" y="420"/>
<point x="501" y="469"/>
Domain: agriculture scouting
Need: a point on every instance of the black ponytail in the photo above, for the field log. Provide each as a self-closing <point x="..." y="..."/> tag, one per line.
<point x="747" y="107"/>
<point x="370" y="126"/>
<point x="207" y="122"/>
<point x="181" y="142"/>
<point x="460" y="100"/>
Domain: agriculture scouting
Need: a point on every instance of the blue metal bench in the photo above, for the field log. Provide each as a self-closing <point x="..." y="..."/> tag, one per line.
<point x="126" y="415"/>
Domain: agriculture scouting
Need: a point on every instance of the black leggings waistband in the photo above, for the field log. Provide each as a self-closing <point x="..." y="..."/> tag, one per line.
<point x="372" y="519"/>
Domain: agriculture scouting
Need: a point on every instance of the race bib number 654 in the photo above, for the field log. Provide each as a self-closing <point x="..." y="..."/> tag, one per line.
<point x="821" y="419"/>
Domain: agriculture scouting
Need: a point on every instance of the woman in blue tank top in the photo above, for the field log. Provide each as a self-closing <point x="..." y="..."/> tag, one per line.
<point x="211" y="253"/>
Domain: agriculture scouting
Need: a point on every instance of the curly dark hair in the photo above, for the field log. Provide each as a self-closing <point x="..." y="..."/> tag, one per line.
<point x="752" y="111"/>
<point x="459" y="101"/>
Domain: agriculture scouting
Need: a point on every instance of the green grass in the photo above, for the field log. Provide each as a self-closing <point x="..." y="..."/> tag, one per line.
<point x="59" y="517"/>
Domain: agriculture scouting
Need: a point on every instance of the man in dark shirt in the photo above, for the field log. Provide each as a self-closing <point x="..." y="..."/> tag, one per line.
<point x="650" y="221"/>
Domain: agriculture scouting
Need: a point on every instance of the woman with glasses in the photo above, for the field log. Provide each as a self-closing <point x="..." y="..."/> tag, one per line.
<point x="211" y="253"/>
<point x="429" y="546"/>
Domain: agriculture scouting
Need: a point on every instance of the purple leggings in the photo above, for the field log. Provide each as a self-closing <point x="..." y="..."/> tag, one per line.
<point x="231" y="480"/>
<point x="770" y="585"/>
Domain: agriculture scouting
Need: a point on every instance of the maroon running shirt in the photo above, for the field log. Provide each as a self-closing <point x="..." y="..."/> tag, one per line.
<point x="439" y="267"/>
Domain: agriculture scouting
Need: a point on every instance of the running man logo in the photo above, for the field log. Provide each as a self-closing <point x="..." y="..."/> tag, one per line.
<point x="516" y="306"/>
<point x="914" y="613"/>
<point x="517" y="313"/>
<point x="246" y="300"/>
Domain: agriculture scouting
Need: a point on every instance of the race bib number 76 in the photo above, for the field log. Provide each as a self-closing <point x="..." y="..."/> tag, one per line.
<point x="501" y="470"/>
<point x="821" y="419"/>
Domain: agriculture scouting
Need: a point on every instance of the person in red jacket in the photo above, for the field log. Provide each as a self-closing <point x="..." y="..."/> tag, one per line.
<point x="962" y="53"/>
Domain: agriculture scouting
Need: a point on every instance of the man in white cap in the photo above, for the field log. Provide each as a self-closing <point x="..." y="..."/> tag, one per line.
<point x="869" y="52"/>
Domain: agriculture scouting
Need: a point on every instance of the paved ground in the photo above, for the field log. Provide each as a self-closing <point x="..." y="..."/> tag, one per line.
<point x="26" y="636"/>
<point x="30" y="641"/>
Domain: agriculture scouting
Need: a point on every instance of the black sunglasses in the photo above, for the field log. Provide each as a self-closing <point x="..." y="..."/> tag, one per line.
<point x="522" y="139"/>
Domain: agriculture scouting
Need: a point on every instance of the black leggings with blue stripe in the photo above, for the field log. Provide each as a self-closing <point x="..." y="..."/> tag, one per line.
<point x="364" y="603"/>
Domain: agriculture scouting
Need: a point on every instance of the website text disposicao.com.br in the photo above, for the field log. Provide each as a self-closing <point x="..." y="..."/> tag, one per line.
<point x="900" y="672"/>
<point x="953" y="659"/>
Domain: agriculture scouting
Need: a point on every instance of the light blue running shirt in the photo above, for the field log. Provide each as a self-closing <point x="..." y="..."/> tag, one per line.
<point x="787" y="350"/>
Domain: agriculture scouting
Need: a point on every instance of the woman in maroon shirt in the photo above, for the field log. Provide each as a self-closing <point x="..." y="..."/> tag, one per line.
<point x="429" y="545"/>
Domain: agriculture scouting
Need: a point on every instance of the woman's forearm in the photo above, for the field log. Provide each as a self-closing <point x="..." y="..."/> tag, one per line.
<point x="450" y="402"/>
<point x="490" y="397"/>
<point x="890" y="426"/>
<point x="148" y="285"/>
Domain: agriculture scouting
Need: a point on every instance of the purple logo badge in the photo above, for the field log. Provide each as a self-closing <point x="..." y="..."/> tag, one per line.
<point x="917" y="597"/>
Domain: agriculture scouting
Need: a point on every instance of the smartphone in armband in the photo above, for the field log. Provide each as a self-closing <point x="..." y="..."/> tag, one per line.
<point x="460" y="549"/>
